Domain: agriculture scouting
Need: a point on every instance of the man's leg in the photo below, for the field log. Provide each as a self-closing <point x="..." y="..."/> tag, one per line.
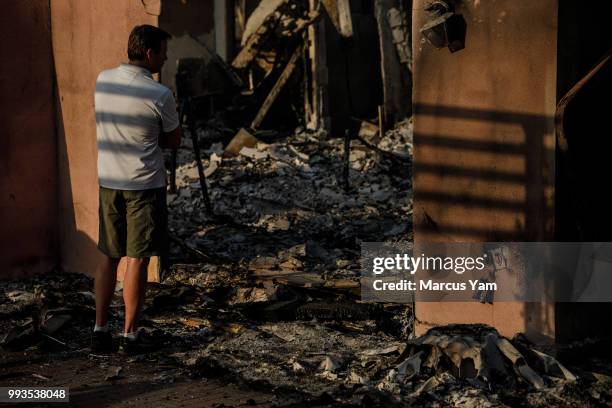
<point x="134" y="287"/>
<point x="104" y="287"/>
<point x="146" y="236"/>
<point x="111" y="244"/>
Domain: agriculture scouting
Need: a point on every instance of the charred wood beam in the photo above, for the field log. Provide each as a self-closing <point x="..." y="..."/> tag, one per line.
<point x="389" y="155"/>
<point x="273" y="23"/>
<point x="196" y="151"/>
<point x="250" y="49"/>
<point x="280" y="83"/>
<point x="339" y="12"/>
<point x="253" y="43"/>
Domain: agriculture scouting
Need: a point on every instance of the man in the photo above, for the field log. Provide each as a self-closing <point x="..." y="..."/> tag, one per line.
<point x="135" y="117"/>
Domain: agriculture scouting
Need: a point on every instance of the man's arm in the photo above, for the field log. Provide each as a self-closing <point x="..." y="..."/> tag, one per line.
<point x="171" y="140"/>
<point x="170" y="137"/>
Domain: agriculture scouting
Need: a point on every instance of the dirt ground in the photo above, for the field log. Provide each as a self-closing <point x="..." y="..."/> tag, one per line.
<point x="140" y="384"/>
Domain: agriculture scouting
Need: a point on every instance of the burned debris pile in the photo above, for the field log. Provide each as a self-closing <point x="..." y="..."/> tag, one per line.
<point x="453" y="365"/>
<point x="271" y="180"/>
<point x="38" y="310"/>
<point x="311" y="344"/>
<point x="286" y="201"/>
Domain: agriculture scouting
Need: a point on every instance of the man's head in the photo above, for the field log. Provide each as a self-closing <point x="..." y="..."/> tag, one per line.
<point x="147" y="47"/>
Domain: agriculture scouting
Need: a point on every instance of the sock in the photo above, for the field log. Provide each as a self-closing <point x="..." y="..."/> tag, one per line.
<point x="131" y="335"/>
<point x="101" y="328"/>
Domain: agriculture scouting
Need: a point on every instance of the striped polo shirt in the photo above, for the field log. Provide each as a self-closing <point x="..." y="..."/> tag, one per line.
<point x="132" y="110"/>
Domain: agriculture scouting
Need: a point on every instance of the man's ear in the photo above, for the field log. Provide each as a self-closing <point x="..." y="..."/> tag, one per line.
<point x="149" y="54"/>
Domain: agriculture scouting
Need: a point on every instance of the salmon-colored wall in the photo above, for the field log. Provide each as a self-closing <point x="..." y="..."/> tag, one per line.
<point x="88" y="37"/>
<point x="484" y="144"/>
<point x="28" y="175"/>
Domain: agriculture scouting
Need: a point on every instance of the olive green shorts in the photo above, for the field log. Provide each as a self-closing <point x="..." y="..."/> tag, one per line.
<point x="133" y="223"/>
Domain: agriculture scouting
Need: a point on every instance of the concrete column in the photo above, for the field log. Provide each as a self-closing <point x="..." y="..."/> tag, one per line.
<point x="484" y="144"/>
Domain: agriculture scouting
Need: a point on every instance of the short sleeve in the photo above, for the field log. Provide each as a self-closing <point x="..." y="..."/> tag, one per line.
<point x="169" y="115"/>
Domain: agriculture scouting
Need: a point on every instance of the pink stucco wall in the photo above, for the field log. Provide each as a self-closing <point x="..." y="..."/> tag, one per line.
<point x="484" y="144"/>
<point x="88" y="36"/>
<point x="28" y="159"/>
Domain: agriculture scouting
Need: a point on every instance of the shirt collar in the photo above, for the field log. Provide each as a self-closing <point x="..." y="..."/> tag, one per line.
<point x="135" y="69"/>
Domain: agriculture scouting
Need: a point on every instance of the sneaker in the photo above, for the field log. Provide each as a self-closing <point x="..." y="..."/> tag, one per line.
<point x="142" y="344"/>
<point x="101" y="342"/>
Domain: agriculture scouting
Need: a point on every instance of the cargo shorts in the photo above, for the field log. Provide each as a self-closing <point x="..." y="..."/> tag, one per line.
<point x="133" y="223"/>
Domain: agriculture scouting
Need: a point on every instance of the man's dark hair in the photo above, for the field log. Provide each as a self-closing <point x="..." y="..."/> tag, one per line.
<point x="144" y="37"/>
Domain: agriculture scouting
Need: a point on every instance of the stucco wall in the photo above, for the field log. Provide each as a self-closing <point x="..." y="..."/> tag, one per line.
<point x="484" y="143"/>
<point x="28" y="177"/>
<point x="88" y="36"/>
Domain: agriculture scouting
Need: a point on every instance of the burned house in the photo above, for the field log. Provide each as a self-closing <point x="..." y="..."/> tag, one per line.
<point x="290" y="50"/>
<point x="310" y="127"/>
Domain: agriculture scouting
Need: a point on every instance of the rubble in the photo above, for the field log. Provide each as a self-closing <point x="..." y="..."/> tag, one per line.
<point x="264" y="289"/>
<point x="291" y="191"/>
<point x="36" y="313"/>
<point x="314" y="359"/>
<point x="240" y="141"/>
<point x="327" y="348"/>
<point x="114" y="373"/>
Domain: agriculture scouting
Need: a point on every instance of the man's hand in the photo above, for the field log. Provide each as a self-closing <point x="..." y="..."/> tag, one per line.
<point x="171" y="140"/>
